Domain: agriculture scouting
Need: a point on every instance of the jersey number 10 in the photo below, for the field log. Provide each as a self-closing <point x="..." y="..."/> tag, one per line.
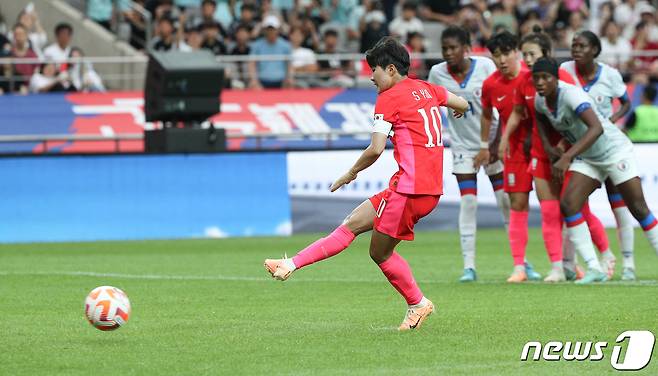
<point x="436" y="114"/>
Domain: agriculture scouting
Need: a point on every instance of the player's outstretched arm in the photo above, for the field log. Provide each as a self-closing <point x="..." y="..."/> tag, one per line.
<point x="458" y="104"/>
<point x="594" y="131"/>
<point x="367" y="158"/>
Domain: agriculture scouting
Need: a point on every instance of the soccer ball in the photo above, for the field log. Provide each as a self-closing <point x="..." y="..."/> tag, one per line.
<point x="107" y="308"/>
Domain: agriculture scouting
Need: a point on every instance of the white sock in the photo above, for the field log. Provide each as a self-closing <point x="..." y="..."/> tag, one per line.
<point x="519" y="268"/>
<point x="608" y="255"/>
<point x="625" y="234"/>
<point x="467" y="227"/>
<point x="582" y="241"/>
<point x="289" y="263"/>
<point x="652" y="237"/>
<point x="423" y="302"/>
<point x="502" y="200"/>
<point x="557" y="265"/>
<point x="568" y="253"/>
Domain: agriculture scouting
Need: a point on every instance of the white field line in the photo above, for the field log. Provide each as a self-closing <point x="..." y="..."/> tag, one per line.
<point x="265" y="278"/>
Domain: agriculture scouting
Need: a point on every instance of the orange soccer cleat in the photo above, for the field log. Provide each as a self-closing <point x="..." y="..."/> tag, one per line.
<point x="415" y="316"/>
<point x="517" y="277"/>
<point x="278" y="269"/>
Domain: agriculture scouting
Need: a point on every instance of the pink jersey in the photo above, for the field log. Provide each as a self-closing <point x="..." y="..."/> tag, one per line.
<point x="410" y="109"/>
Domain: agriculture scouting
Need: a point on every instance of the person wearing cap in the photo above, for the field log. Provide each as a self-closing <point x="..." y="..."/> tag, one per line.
<point x="270" y="73"/>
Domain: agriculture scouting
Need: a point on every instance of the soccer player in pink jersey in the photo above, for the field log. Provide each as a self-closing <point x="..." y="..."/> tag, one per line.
<point x="407" y="111"/>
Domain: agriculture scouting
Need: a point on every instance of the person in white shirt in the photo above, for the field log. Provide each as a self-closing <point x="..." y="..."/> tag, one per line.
<point x="37" y="36"/>
<point x="406" y="22"/>
<point x="61" y="49"/>
<point x="628" y="14"/>
<point x="303" y="59"/>
<point x="615" y="48"/>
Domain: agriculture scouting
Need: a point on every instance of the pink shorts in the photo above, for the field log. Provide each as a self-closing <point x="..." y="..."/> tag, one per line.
<point x="398" y="213"/>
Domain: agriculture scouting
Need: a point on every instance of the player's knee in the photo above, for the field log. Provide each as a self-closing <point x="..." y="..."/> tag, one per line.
<point x="638" y="208"/>
<point x="377" y="257"/>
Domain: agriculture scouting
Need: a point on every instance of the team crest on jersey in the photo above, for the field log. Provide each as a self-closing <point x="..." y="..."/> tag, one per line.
<point x="599" y="99"/>
<point x="379" y="116"/>
<point x="477" y="92"/>
<point x="534" y="163"/>
<point x="622" y="166"/>
<point x="511" y="179"/>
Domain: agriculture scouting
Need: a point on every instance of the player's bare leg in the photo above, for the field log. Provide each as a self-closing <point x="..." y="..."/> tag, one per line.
<point x="548" y="193"/>
<point x="398" y="273"/>
<point x="574" y="197"/>
<point x="631" y="191"/>
<point x="468" y="223"/>
<point x="360" y="220"/>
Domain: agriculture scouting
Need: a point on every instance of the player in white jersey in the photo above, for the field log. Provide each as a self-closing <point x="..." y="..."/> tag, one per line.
<point x="603" y="84"/>
<point x="599" y="151"/>
<point x="463" y="75"/>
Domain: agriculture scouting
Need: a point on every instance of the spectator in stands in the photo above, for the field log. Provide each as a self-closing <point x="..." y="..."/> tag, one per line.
<point x="530" y="20"/>
<point x="407" y="22"/>
<point x="21" y="49"/>
<point x="247" y="19"/>
<point x="188" y="5"/>
<point x="137" y="26"/>
<point x="576" y="24"/>
<point x="547" y="11"/>
<point x="194" y="38"/>
<point x="334" y="72"/>
<point x="310" y="38"/>
<point x="38" y="38"/>
<point x="614" y="47"/>
<point x="241" y="47"/>
<point x="46" y="79"/>
<point x="5" y="70"/>
<point x="208" y="9"/>
<point x="303" y="59"/>
<point x="645" y="67"/>
<point x="444" y="11"/>
<point x="473" y="21"/>
<point x="418" y="67"/>
<point x="503" y="14"/>
<point x="373" y="27"/>
<point x="166" y="9"/>
<point x="562" y="45"/>
<point x="104" y="11"/>
<point x="166" y="38"/>
<point x="641" y="124"/>
<point x="270" y="74"/>
<point x="648" y="15"/>
<point x="61" y="49"/>
<point x="628" y="14"/>
<point x="82" y="74"/>
<point x="212" y="38"/>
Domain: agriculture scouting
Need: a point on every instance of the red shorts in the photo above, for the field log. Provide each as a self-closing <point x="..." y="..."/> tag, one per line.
<point x="540" y="168"/>
<point x="516" y="177"/>
<point x="398" y="213"/>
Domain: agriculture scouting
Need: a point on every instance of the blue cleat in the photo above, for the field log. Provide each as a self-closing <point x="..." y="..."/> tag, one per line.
<point x="469" y="276"/>
<point x="592" y="276"/>
<point x="531" y="273"/>
<point x="628" y="274"/>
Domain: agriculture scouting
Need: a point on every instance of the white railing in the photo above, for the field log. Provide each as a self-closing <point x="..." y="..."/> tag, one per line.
<point x="231" y="61"/>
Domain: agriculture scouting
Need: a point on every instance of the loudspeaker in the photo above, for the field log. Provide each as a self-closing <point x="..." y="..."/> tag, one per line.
<point x="182" y="86"/>
<point x="185" y="140"/>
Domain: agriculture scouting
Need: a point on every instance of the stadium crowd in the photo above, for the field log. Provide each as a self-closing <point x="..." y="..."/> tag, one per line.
<point x="302" y="29"/>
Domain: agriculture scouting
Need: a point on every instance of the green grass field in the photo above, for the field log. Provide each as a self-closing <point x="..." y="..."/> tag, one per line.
<point x="207" y="307"/>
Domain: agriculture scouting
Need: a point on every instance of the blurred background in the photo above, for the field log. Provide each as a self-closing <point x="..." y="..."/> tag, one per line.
<point x="296" y="106"/>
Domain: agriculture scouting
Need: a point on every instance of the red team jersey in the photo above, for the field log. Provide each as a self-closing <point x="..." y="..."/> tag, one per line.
<point x="411" y="107"/>
<point x="498" y="92"/>
<point x="525" y="96"/>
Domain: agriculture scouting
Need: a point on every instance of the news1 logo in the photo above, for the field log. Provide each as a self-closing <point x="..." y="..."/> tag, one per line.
<point x="637" y="355"/>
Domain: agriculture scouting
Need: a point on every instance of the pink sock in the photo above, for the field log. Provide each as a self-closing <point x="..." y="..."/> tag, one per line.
<point x="551" y="226"/>
<point x="326" y="247"/>
<point x="518" y="235"/>
<point x="399" y="275"/>
<point x="596" y="229"/>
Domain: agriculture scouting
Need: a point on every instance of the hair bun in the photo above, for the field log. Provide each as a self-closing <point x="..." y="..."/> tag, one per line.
<point x="537" y="29"/>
